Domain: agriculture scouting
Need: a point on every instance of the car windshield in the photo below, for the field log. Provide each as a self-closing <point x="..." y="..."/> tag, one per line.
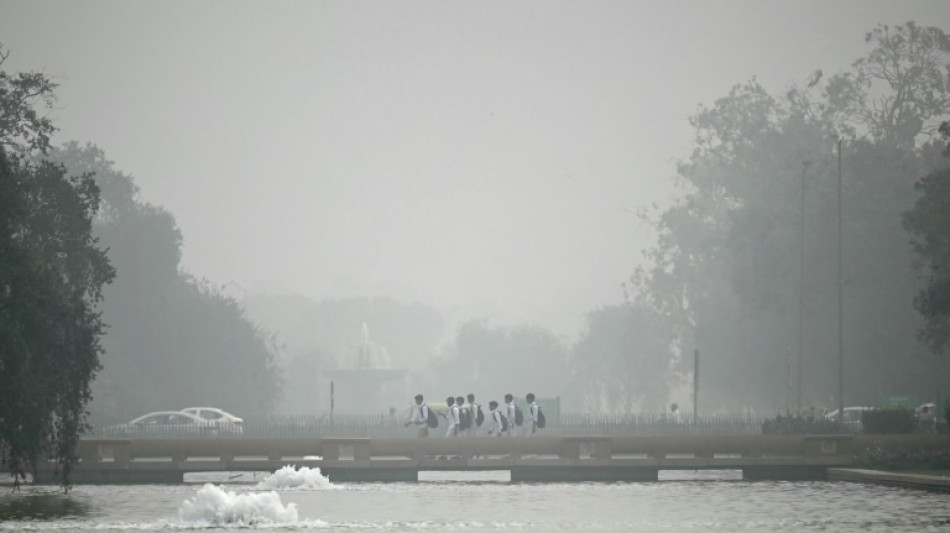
<point x="180" y="420"/>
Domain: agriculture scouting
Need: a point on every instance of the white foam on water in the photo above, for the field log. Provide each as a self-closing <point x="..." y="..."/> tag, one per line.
<point x="212" y="505"/>
<point x="290" y="478"/>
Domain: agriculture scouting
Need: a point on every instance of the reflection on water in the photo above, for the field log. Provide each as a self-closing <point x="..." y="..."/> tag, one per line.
<point x="42" y="506"/>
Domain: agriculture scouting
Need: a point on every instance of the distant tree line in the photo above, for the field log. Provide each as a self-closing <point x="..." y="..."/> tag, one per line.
<point x="173" y="341"/>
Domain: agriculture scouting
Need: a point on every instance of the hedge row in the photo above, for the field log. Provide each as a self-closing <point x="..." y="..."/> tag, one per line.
<point x="888" y="421"/>
<point x="896" y="459"/>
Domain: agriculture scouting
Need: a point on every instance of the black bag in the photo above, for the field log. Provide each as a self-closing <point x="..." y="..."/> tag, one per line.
<point x="504" y="422"/>
<point x="433" y="420"/>
<point x="479" y="417"/>
<point x="541" y="421"/>
<point x="519" y="416"/>
<point x="465" y="419"/>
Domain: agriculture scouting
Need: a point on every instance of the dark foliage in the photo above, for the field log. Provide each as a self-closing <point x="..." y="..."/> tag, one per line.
<point x="51" y="276"/>
<point x="929" y="226"/>
<point x="888" y="421"/>
<point x="901" y="458"/>
<point x="799" y="425"/>
<point x="23" y="130"/>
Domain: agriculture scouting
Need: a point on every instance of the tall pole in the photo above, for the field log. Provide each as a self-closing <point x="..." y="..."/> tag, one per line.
<point x="801" y="289"/>
<point x="840" y="302"/>
<point x="696" y="386"/>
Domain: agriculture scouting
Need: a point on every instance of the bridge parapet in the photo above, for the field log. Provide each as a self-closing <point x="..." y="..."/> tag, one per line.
<point x="528" y="458"/>
<point x="124" y="451"/>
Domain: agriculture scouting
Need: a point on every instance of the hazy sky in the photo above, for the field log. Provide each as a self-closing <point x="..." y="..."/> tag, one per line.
<point x="486" y="158"/>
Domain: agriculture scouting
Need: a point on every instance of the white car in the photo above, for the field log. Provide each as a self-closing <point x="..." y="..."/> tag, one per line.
<point x="162" y="423"/>
<point x="219" y="418"/>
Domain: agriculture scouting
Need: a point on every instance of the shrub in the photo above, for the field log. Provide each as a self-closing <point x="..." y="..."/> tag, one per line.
<point x="902" y="458"/>
<point x="888" y="421"/>
<point x="798" y="425"/>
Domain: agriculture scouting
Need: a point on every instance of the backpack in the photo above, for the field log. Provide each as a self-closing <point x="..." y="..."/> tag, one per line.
<point x="504" y="422"/>
<point x="465" y="418"/>
<point x="519" y="416"/>
<point x="541" y="421"/>
<point x="433" y="421"/>
<point x="479" y="416"/>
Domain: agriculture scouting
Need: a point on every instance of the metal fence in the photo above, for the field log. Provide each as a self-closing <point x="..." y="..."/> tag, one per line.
<point x="282" y="426"/>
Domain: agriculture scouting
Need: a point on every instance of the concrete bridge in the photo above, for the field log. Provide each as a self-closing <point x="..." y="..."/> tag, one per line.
<point x="542" y="458"/>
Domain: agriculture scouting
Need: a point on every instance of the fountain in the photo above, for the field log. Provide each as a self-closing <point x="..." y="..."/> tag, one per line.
<point x="366" y="382"/>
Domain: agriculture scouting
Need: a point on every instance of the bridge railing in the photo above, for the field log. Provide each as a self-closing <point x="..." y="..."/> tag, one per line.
<point x="660" y="450"/>
<point x="283" y="426"/>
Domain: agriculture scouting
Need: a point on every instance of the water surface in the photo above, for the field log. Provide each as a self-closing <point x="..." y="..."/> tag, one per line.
<point x="440" y="502"/>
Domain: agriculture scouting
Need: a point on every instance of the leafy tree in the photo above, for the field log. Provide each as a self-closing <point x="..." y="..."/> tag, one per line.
<point x="491" y="361"/>
<point x="51" y="276"/>
<point x="622" y="361"/>
<point x="172" y="340"/>
<point x="23" y="130"/>
<point x="725" y="271"/>
<point x="929" y="225"/>
<point x="897" y="90"/>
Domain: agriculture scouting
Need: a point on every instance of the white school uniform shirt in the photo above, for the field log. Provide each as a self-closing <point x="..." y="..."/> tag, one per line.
<point x="495" y="427"/>
<point x="473" y="408"/>
<point x="511" y="412"/>
<point x="421" y="415"/>
<point x="452" y="417"/>
<point x="532" y="414"/>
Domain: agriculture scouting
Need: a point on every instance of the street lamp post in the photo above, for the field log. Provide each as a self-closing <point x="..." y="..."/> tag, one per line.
<point x="840" y="302"/>
<point x="801" y="289"/>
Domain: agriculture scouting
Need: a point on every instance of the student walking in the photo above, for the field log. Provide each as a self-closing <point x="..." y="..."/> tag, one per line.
<point x="452" y="418"/>
<point x="420" y="417"/>
<point x="465" y="416"/>
<point x="512" y="413"/>
<point x="474" y="408"/>
<point x="531" y="425"/>
<point x="497" y="422"/>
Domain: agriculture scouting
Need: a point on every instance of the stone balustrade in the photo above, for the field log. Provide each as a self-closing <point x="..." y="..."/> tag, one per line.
<point x="528" y="458"/>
